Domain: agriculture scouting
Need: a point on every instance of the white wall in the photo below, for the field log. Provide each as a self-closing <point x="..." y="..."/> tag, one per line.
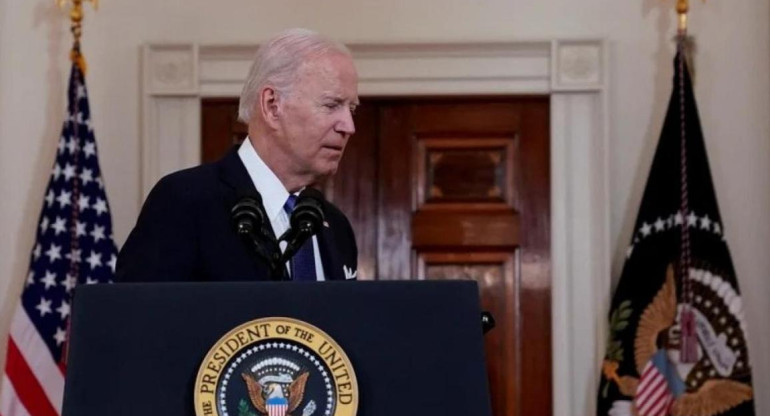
<point x="732" y="87"/>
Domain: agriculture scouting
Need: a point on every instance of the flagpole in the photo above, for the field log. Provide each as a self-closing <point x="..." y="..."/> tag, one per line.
<point x="688" y="338"/>
<point x="78" y="77"/>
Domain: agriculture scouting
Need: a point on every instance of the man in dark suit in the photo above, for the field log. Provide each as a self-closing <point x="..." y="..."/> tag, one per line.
<point x="298" y="102"/>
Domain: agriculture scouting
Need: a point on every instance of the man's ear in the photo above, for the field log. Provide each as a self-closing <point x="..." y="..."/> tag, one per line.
<point x="269" y="106"/>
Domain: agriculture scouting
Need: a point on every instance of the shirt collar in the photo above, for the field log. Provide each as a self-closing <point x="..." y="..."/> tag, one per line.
<point x="273" y="193"/>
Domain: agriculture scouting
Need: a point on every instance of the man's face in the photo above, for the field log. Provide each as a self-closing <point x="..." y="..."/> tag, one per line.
<point x="316" y="118"/>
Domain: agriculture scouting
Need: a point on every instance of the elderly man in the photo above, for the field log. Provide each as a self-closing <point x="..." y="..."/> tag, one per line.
<point x="298" y="101"/>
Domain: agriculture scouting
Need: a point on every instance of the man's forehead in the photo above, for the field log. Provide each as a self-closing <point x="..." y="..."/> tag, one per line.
<point x="335" y="76"/>
<point x="327" y="62"/>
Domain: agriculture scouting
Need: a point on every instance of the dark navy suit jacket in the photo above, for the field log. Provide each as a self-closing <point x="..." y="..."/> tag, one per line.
<point x="184" y="231"/>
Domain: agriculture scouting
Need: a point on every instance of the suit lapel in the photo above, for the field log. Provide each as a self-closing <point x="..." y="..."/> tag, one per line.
<point x="233" y="173"/>
<point x="236" y="180"/>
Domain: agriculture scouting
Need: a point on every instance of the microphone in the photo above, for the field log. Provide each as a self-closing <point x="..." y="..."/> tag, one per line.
<point x="247" y="215"/>
<point x="250" y="222"/>
<point x="305" y="221"/>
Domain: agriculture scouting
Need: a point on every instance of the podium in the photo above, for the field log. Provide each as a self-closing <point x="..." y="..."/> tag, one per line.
<point x="416" y="347"/>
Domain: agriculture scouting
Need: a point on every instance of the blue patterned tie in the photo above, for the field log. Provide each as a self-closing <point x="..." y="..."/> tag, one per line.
<point x="303" y="262"/>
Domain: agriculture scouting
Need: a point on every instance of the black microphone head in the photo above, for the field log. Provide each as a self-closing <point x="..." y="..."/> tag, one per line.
<point x="247" y="215"/>
<point x="308" y="213"/>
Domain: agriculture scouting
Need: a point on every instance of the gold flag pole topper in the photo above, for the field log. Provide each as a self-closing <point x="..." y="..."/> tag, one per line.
<point x="76" y="16"/>
<point x="682" y="7"/>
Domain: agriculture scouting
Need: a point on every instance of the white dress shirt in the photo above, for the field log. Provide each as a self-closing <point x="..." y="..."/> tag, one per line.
<point x="274" y="196"/>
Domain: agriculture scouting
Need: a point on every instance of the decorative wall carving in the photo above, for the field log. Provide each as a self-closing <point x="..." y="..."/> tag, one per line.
<point x="171" y="69"/>
<point x="579" y="64"/>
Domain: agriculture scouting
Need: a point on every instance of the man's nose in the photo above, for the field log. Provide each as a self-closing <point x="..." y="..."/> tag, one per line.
<point x="346" y="125"/>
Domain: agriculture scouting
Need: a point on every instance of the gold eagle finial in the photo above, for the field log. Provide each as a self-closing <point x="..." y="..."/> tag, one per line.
<point x="682" y="7"/>
<point x="62" y="3"/>
<point x="76" y="16"/>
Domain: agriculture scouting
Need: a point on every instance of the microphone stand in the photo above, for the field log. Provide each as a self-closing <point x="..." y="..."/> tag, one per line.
<point x="277" y="272"/>
<point x="294" y="240"/>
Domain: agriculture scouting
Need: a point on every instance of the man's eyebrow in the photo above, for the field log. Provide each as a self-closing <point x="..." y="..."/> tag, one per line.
<point x="340" y="100"/>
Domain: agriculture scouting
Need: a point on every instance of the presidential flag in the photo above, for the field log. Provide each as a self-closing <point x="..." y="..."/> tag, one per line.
<point x="73" y="246"/>
<point x="676" y="342"/>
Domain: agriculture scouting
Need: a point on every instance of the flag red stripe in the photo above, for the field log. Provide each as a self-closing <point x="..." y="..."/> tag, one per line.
<point x="9" y="400"/>
<point x="645" y="378"/>
<point x="662" y="398"/>
<point x="655" y="395"/>
<point x="652" y="405"/>
<point x="645" y="401"/>
<point x="38" y="357"/>
<point x="647" y="369"/>
<point x="27" y="387"/>
<point x="650" y="389"/>
<point x="660" y="406"/>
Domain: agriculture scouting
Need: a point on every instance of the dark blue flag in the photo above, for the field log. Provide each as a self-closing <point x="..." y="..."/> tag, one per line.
<point x="677" y="341"/>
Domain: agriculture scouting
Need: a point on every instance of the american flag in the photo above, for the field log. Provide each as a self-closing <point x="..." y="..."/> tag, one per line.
<point x="73" y="246"/>
<point x="654" y="395"/>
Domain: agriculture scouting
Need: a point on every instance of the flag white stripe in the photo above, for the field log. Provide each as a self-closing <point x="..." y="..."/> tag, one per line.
<point x="277" y="410"/>
<point x="38" y="357"/>
<point x="648" y="404"/>
<point x="9" y="401"/>
<point x="652" y="387"/>
<point x="645" y="378"/>
<point x="660" y="406"/>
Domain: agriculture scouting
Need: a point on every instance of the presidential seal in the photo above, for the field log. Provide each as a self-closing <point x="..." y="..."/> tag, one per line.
<point x="276" y="367"/>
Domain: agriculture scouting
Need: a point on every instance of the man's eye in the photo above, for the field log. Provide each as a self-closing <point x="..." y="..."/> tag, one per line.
<point x="331" y="106"/>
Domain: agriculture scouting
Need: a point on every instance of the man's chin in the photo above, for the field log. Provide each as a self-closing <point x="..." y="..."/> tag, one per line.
<point x="325" y="173"/>
<point x="329" y="173"/>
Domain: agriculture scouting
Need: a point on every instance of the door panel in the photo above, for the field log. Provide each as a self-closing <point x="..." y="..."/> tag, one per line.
<point x="498" y="285"/>
<point x="220" y="128"/>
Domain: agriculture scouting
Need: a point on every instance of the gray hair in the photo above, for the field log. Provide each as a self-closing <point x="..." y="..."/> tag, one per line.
<point x="277" y="62"/>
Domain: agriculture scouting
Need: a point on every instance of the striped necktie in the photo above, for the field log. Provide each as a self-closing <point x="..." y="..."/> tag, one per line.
<point x="303" y="262"/>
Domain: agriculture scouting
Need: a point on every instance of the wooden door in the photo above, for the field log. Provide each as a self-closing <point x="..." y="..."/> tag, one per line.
<point x="455" y="189"/>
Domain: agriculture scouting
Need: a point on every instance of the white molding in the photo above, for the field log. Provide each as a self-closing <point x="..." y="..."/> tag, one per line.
<point x="171" y="69"/>
<point x="579" y="249"/>
<point x="170" y="111"/>
<point x="572" y="71"/>
<point x="578" y="65"/>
